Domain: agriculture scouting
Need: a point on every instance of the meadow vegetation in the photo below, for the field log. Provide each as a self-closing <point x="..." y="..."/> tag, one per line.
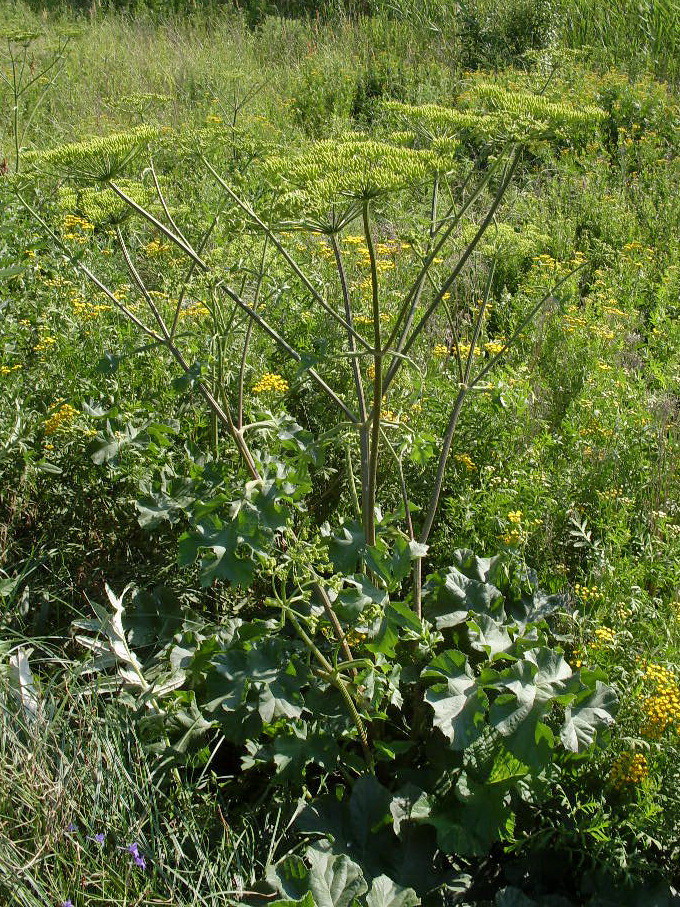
<point x="339" y="522"/>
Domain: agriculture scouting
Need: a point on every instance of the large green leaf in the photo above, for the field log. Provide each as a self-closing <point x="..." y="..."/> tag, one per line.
<point x="334" y="880"/>
<point x="306" y="901"/>
<point x="450" y="597"/>
<point x="397" y="616"/>
<point x="386" y="893"/>
<point x="346" y="548"/>
<point x="459" y="704"/>
<point x="224" y="561"/>
<point x="591" y="711"/>
<point x="533" y="684"/>
<point x="479" y="816"/>
<point x="292" y="753"/>
<point x="359" y="593"/>
<point x="489" y="636"/>
<point x="290" y="877"/>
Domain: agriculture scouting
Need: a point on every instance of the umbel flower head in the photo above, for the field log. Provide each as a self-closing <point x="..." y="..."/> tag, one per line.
<point x="96" y="160"/>
<point x="101" y="205"/>
<point x="341" y="173"/>
<point x="489" y="112"/>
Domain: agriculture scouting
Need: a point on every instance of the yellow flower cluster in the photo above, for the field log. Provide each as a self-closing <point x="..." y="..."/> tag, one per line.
<point x="88" y="310"/>
<point x="76" y="228"/>
<point x="588" y="593"/>
<point x="44" y="344"/>
<point x="8" y="369"/>
<point x="662" y="709"/>
<point x="467" y="461"/>
<point x="270" y="383"/>
<point x="464" y="350"/>
<point x="622" y="612"/>
<point x="156" y="247"/>
<point x="494" y="347"/>
<point x="628" y="769"/>
<point x="611" y="494"/>
<point x="511" y="538"/>
<point x="604" y="637"/>
<point x="387" y="415"/>
<point x="632" y="251"/>
<point x="385" y="253"/>
<point x="440" y="351"/>
<point x="547" y="263"/>
<point x="194" y="311"/>
<point x="515" y="516"/>
<point x="61" y="418"/>
<point x="356" y="637"/>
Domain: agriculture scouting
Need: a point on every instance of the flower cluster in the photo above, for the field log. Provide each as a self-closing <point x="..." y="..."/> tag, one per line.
<point x="604" y="637"/>
<point x="387" y="415"/>
<point x="76" y="228"/>
<point x="45" y="343"/>
<point x="137" y="857"/>
<point x="88" y="311"/>
<point x="156" y="247"/>
<point x="628" y="769"/>
<point x="662" y="708"/>
<point x="494" y="347"/>
<point x="466" y="461"/>
<point x="588" y="593"/>
<point x="511" y="538"/>
<point x="8" y="369"/>
<point x="60" y="419"/>
<point x="270" y="383"/>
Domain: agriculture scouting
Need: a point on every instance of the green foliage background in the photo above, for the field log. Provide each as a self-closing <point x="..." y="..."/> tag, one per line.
<point x="567" y="460"/>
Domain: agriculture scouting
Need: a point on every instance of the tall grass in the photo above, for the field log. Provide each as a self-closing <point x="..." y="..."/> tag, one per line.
<point x="77" y="770"/>
<point x="637" y="35"/>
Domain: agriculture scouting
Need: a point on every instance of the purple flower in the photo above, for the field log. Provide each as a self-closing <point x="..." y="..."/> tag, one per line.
<point x="133" y="850"/>
<point x="68" y="903"/>
<point x="72" y="827"/>
<point x="99" y="838"/>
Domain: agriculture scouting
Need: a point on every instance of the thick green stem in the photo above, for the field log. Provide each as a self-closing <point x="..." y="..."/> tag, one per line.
<point x="328" y="673"/>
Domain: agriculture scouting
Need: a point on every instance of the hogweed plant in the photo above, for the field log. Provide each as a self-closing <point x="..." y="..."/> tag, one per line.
<point x="456" y="682"/>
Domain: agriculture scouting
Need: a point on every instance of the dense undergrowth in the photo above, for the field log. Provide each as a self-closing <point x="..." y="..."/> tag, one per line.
<point x="339" y="529"/>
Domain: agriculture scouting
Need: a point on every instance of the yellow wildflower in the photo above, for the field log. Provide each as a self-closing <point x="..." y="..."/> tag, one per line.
<point x="271" y="383"/>
<point x="60" y="419"/>
<point x="628" y="769"/>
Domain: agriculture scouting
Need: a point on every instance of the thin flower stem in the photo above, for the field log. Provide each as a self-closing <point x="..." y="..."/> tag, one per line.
<point x="221" y="413"/>
<point x="402" y="485"/>
<point x="297" y="270"/>
<point x="369" y="503"/>
<point x="409" y="304"/>
<point x="166" y="231"/>
<point x="246" y="339"/>
<point x="333" y="618"/>
<point x="164" y="205"/>
<point x="356" y="371"/>
<point x="328" y="673"/>
<point x="460" y="264"/>
<point x="273" y="333"/>
<point x="77" y="263"/>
